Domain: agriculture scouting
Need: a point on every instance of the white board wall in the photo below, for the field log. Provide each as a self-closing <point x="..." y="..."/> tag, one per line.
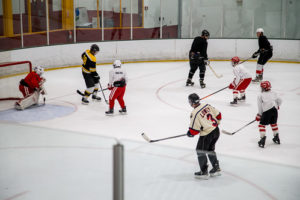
<point x="145" y="50"/>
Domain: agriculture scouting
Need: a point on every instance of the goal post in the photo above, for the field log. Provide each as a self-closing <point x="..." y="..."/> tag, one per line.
<point x="10" y="75"/>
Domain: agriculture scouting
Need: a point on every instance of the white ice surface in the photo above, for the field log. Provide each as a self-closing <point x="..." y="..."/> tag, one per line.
<point x="70" y="157"/>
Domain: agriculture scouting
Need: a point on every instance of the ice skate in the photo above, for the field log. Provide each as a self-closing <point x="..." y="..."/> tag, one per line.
<point x="189" y="82"/>
<point x="96" y="98"/>
<point x="260" y="77"/>
<point x="123" y="111"/>
<point x="256" y="80"/>
<point x="234" y="102"/>
<point x="202" y="175"/>
<point x="242" y="98"/>
<point x="261" y="142"/>
<point x="215" y="171"/>
<point x="110" y="112"/>
<point x="276" y="139"/>
<point x="84" y="101"/>
<point x="202" y="84"/>
<point x="18" y="106"/>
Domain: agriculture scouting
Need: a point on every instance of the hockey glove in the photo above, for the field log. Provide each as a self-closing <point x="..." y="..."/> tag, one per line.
<point x="189" y="134"/>
<point x="258" y="117"/>
<point x="231" y="86"/>
<point x="109" y="87"/>
<point x="206" y="62"/>
<point x="255" y="54"/>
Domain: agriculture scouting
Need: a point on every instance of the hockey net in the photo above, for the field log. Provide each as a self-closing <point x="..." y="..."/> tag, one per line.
<point x="10" y="75"/>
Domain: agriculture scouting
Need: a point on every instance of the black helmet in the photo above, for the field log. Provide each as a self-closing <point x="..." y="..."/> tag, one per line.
<point x="205" y="33"/>
<point x="194" y="99"/>
<point x="94" y="48"/>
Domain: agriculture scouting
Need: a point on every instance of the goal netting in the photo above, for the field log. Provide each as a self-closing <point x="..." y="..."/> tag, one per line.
<point x="10" y="75"/>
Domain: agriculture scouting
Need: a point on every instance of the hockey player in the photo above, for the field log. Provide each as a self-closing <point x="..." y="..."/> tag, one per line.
<point x="31" y="87"/>
<point x="198" y="58"/>
<point x="205" y="120"/>
<point x="242" y="79"/>
<point x="265" y="52"/>
<point x="90" y="74"/>
<point x="117" y="85"/>
<point x="268" y="103"/>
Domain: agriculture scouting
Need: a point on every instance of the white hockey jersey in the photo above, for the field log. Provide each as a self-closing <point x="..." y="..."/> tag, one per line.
<point x="267" y="100"/>
<point x="240" y="72"/>
<point x="117" y="74"/>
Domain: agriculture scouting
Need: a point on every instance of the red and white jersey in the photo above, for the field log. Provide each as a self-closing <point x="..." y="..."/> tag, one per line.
<point x="117" y="74"/>
<point x="267" y="100"/>
<point x="240" y="72"/>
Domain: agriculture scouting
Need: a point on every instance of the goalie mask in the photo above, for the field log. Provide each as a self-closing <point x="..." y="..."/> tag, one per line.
<point x="39" y="70"/>
<point x="117" y="63"/>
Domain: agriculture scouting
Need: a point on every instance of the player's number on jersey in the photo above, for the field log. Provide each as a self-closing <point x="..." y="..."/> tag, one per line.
<point x="213" y="120"/>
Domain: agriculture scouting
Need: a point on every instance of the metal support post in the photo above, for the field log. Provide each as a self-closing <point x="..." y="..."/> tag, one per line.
<point x="118" y="172"/>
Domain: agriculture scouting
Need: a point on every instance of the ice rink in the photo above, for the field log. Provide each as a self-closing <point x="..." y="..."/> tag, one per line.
<point x="63" y="149"/>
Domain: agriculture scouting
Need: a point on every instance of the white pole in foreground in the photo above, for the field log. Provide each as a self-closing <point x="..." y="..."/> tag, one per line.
<point x="118" y="172"/>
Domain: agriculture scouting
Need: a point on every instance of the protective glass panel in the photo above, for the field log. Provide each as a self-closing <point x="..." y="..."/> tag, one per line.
<point x="87" y="15"/>
<point x="185" y="17"/>
<point x="56" y="33"/>
<point x="151" y="20"/>
<point x="1" y="19"/>
<point x="292" y="19"/>
<point x="268" y="15"/>
<point x="206" y="14"/>
<point x="113" y="20"/>
<point x="170" y="18"/>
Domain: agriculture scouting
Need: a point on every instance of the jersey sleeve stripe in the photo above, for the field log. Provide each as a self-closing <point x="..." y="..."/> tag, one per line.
<point x="197" y="114"/>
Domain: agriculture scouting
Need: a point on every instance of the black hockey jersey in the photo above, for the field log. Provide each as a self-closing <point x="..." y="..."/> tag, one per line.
<point x="89" y="62"/>
<point x="200" y="45"/>
<point x="264" y="44"/>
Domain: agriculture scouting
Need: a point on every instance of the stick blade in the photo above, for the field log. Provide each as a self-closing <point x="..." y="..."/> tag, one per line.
<point x="226" y="132"/>
<point x="79" y="92"/>
<point x="146" y="137"/>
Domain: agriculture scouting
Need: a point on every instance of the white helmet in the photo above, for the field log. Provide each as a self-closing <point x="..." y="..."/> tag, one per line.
<point x="117" y="63"/>
<point x="259" y="30"/>
<point x="39" y="70"/>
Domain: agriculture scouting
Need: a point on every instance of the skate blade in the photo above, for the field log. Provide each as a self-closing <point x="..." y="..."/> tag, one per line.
<point x="215" y="174"/>
<point x="202" y="177"/>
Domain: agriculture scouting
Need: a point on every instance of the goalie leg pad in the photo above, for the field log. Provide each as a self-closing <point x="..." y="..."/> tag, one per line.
<point x="28" y="101"/>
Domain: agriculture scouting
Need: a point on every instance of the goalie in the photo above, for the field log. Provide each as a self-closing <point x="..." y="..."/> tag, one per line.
<point x="31" y="87"/>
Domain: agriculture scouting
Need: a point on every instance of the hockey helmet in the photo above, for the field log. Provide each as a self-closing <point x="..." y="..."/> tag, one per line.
<point x="39" y="70"/>
<point x="117" y="63"/>
<point x="265" y="85"/>
<point x="205" y="33"/>
<point x="259" y="30"/>
<point x="235" y="60"/>
<point x="95" y="48"/>
<point x="194" y="99"/>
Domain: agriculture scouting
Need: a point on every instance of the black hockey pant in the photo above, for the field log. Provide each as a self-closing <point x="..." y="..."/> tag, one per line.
<point x="264" y="57"/>
<point x="193" y="67"/>
<point x="206" y="146"/>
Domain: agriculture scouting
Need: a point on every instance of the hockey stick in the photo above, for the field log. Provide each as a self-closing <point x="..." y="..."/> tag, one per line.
<point x="149" y="140"/>
<point x="245" y="60"/>
<point x="103" y="93"/>
<point x="214" y="93"/>
<point x="217" y="75"/>
<point x="82" y="94"/>
<point x="232" y="133"/>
